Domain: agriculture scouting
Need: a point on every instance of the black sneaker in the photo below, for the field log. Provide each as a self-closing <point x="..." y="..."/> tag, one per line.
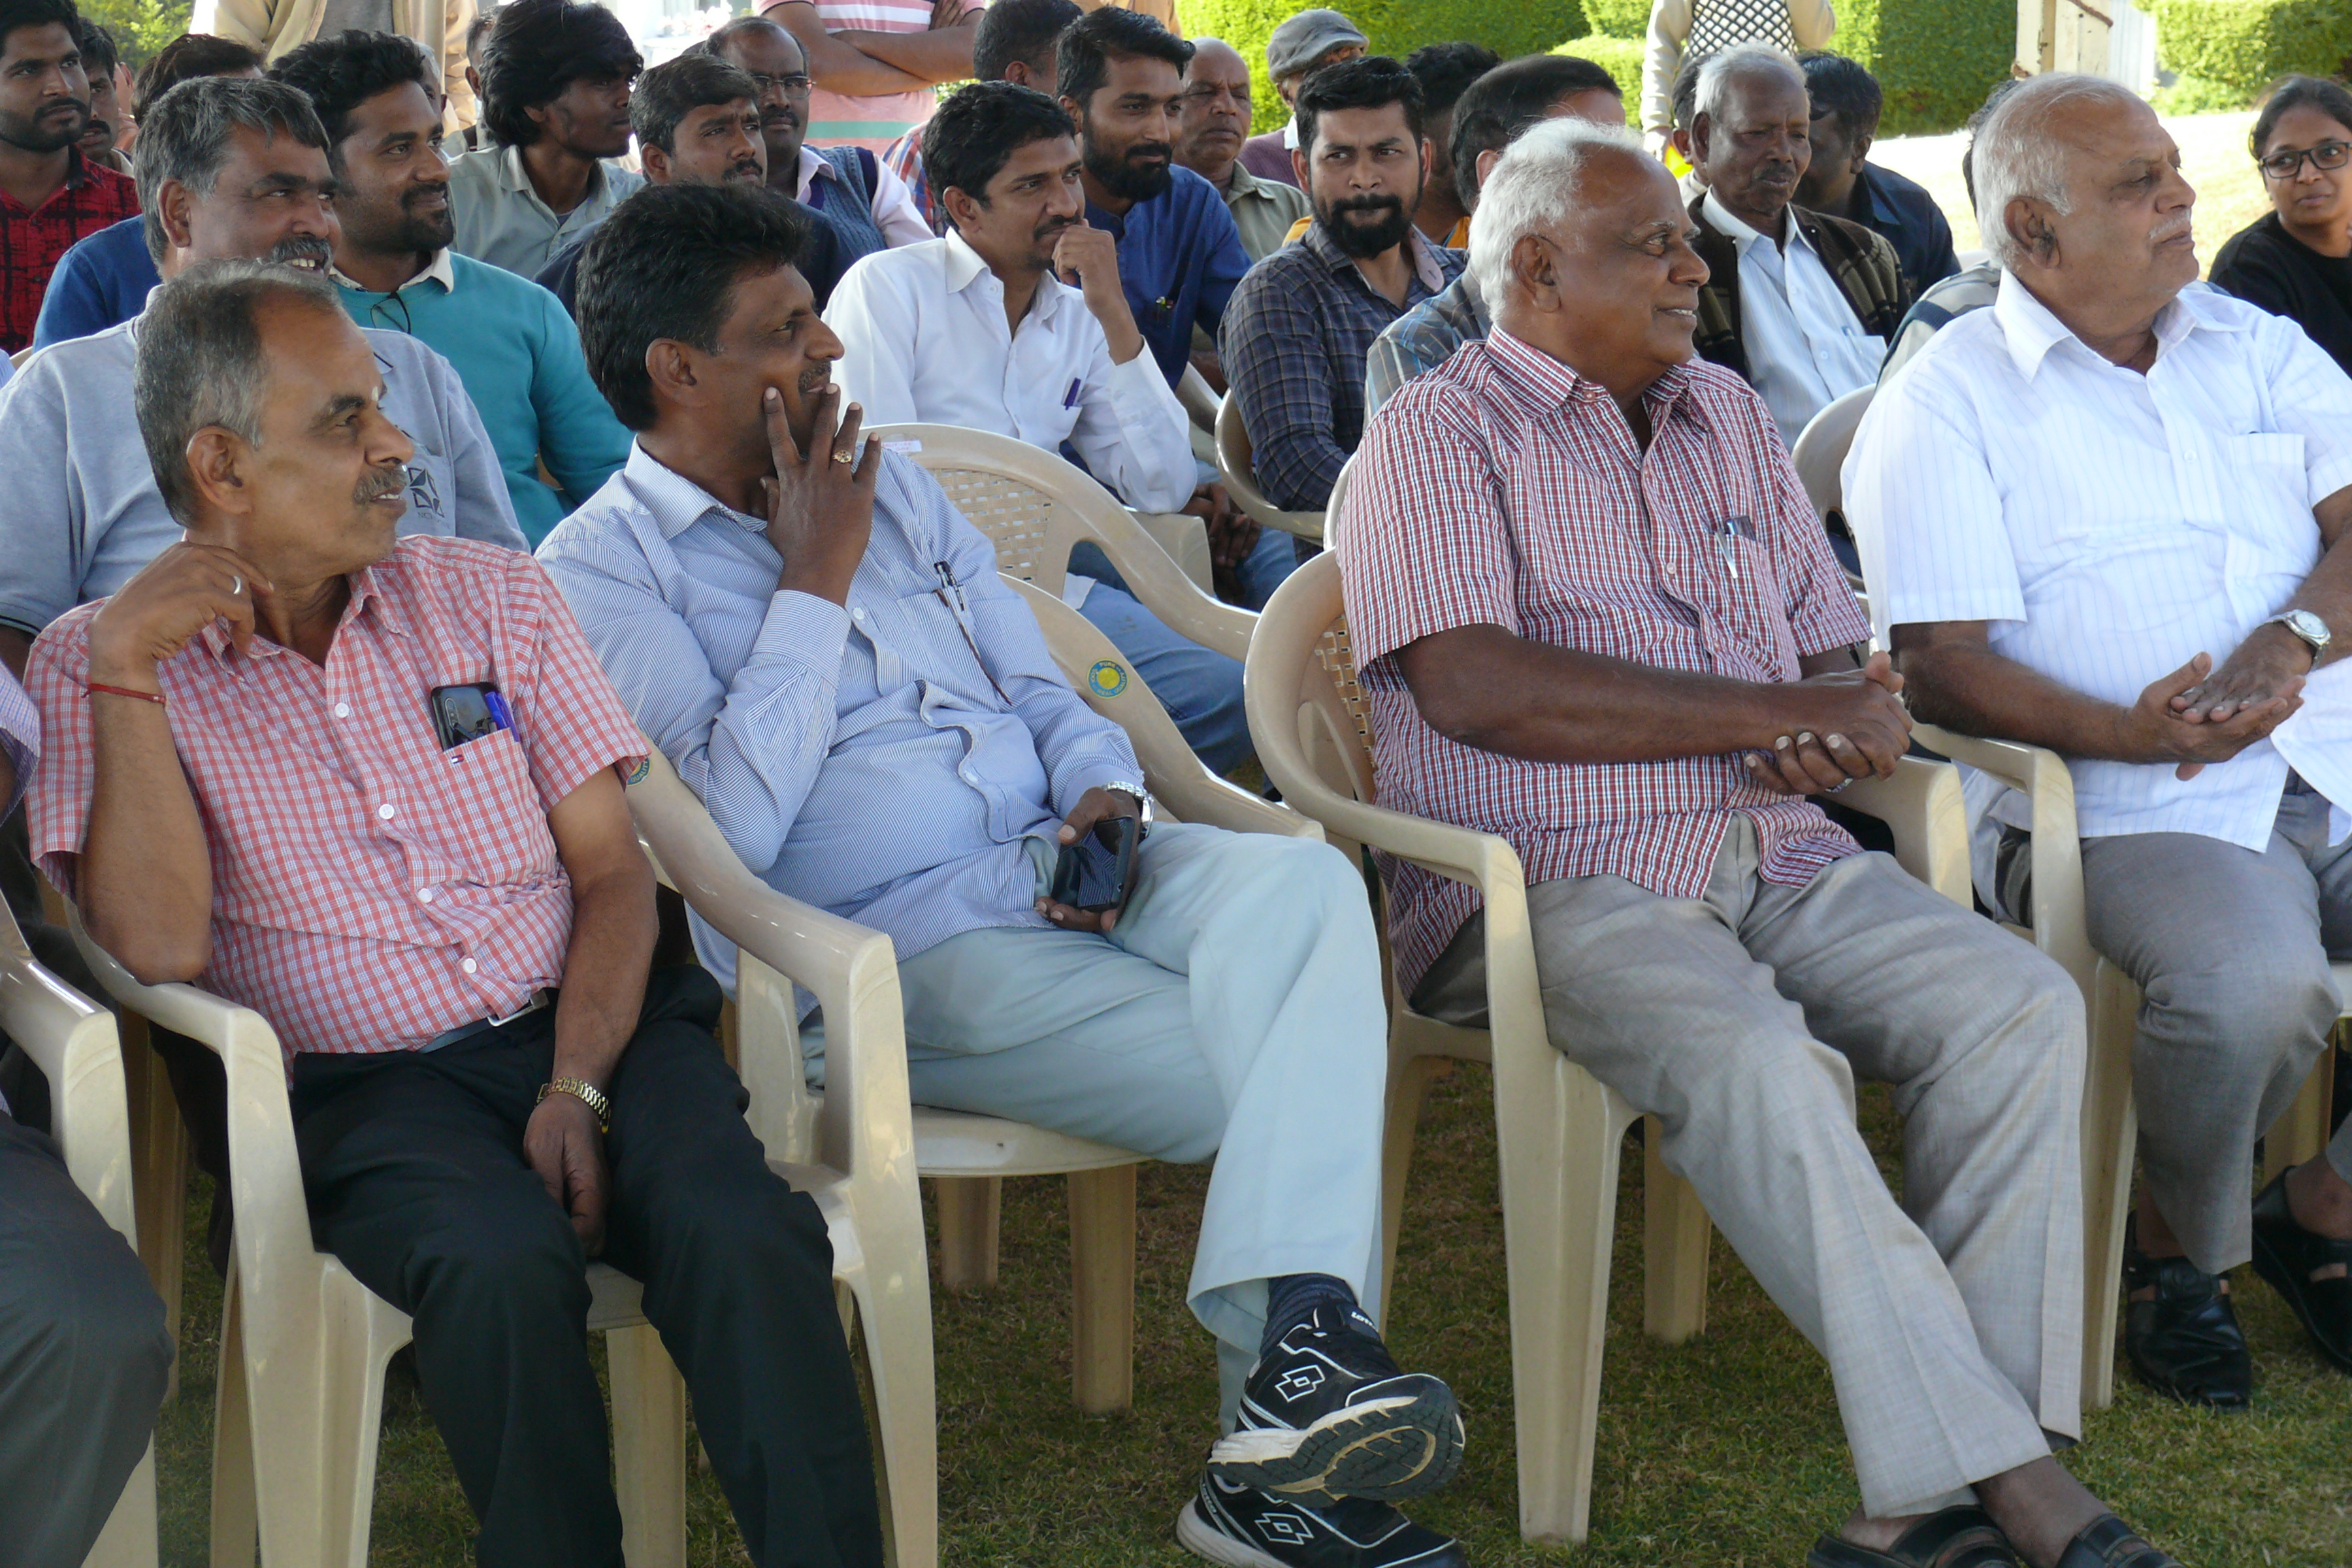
<point x="1241" y="1527"/>
<point x="1327" y="1416"/>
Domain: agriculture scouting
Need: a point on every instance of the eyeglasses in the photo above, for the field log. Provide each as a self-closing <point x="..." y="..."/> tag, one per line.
<point x="797" y="86"/>
<point x="391" y="312"/>
<point x="2286" y="165"/>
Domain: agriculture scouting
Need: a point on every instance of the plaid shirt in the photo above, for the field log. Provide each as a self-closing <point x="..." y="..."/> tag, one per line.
<point x="1294" y="341"/>
<point x="33" y="242"/>
<point x="903" y="158"/>
<point x="1503" y="488"/>
<point x="370" y="889"/>
<point x="1422" y="339"/>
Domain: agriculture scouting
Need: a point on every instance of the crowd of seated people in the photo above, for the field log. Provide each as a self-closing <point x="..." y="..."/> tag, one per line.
<point x="359" y="364"/>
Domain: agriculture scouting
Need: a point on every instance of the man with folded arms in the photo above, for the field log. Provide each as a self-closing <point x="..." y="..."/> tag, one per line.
<point x="2106" y="515"/>
<point x="980" y="330"/>
<point x="371" y="788"/>
<point x="823" y="647"/>
<point x="1596" y="616"/>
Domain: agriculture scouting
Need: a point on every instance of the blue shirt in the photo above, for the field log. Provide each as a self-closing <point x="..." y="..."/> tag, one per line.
<point x="860" y="759"/>
<point x="1179" y="257"/>
<point x="1901" y="210"/>
<point x="519" y="355"/>
<point x="101" y="283"/>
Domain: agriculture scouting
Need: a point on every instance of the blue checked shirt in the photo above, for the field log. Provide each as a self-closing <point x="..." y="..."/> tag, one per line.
<point x="1294" y="344"/>
<point x="1422" y="339"/>
<point x="858" y="758"/>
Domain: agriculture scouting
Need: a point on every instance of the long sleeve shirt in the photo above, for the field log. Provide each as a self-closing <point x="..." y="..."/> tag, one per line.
<point x="888" y="759"/>
<point x="1810" y="24"/>
<point x="924" y="338"/>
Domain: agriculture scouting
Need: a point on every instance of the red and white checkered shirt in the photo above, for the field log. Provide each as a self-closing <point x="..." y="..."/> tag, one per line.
<point x="1503" y="488"/>
<point x="371" y="890"/>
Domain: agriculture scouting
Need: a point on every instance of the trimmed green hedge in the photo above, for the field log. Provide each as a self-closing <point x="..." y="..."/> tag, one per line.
<point x="1935" y="60"/>
<point x="1618" y="18"/>
<point x="1396" y="27"/>
<point x="2241" y="46"/>
<point x="1620" y="58"/>
<point x="140" y="27"/>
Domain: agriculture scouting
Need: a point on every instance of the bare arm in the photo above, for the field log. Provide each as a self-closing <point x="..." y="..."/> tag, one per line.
<point x="2271" y="654"/>
<point x="16" y="647"/>
<point x="838" y="66"/>
<point x="942" y="54"/>
<point x="612" y="927"/>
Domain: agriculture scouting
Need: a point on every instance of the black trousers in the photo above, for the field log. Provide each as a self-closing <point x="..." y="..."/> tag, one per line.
<point x="83" y="1359"/>
<point x="414" y="1166"/>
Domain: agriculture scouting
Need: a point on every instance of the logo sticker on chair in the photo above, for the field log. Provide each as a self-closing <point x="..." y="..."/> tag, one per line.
<point x="1108" y="677"/>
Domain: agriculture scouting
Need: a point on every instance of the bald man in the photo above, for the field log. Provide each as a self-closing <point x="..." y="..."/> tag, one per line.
<point x="1215" y="124"/>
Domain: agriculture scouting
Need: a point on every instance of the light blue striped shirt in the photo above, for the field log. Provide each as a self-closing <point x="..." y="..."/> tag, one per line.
<point x="2110" y="525"/>
<point x="860" y="759"/>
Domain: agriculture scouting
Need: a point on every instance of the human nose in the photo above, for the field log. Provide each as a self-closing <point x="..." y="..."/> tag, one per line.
<point x="387" y="442"/>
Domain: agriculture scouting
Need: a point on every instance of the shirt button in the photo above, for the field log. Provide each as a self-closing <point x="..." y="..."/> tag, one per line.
<point x="384" y="811"/>
<point x="342" y="710"/>
<point x="423" y="895"/>
<point x="469" y="966"/>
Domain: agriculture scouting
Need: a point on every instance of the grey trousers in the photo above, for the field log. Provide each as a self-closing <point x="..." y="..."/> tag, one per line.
<point x="2229" y="951"/>
<point x="83" y="1359"/>
<point x="1952" y="1321"/>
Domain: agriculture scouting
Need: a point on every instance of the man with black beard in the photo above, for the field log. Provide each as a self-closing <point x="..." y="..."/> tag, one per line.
<point x="508" y="338"/>
<point x="50" y="194"/>
<point x="1302" y="323"/>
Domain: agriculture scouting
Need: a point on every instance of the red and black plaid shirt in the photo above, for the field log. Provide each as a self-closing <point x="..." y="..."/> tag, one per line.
<point x="31" y="242"/>
<point x="1503" y="488"/>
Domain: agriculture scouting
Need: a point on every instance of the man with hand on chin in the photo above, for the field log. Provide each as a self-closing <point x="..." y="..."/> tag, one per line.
<point x="371" y="788"/>
<point x="981" y="330"/>
<point x="822" y="646"/>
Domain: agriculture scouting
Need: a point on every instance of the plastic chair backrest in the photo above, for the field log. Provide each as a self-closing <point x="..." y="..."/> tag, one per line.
<point x="1821" y="447"/>
<point x="1201" y="404"/>
<point x="1234" y="465"/>
<point x="75" y="1044"/>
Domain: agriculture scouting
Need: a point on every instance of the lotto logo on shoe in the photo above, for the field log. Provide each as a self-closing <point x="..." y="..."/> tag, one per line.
<point x="1299" y="1382"/>
<point x="1287" y="1527"/>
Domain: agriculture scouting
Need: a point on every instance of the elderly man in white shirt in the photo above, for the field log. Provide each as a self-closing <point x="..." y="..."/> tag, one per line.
<point x="2107" y="516"/>
<point x="980" y="330"/>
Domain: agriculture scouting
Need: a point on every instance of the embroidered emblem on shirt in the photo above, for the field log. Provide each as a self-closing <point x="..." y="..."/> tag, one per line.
<point x="1108" y="677"/>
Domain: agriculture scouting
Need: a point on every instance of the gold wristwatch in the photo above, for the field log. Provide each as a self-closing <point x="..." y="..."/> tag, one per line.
<point x="588" y="1094"/>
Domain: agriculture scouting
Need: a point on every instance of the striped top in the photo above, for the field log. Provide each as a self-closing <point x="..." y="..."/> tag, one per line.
<point x="1503" y="488"/>
<point x="837" y="119"/>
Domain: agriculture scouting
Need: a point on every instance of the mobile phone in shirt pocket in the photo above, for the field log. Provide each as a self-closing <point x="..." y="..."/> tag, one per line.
<point x="486" y="814"/>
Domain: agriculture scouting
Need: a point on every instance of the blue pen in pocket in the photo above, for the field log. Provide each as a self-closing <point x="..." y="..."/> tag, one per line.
<point x="500" y="714"/>
<point x="1070" y="398"/>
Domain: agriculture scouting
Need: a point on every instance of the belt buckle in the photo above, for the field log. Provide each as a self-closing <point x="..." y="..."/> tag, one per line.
<point x="531" y="1004"/>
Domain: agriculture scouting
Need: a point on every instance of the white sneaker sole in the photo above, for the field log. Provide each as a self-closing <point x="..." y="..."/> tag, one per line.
<point x="1404" y="1446"/>
<point x="1194" y="1534"/>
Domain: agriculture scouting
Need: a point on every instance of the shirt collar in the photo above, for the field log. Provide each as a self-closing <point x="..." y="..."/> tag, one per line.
<point x="368" y="597"/>
<point x="1881" y="205"/>
<point x="515" y="177"/>
<point x="1425" y="265"/>
<point x="675" y="502"/>
<point x="964" y="268"/>
<point x="1244" y="185"/>
<point x="814" y="166"/>
<point x="440" y="269"/>
<point x="1742" y="235"/>
<point x="1540" y="383"/>
<point x="2031" y="329"/>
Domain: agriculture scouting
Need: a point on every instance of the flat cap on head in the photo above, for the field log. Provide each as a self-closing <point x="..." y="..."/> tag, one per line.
<point x="1307" y="37"/>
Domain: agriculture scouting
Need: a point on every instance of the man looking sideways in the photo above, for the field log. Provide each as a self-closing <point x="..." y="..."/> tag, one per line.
<point x="456" y="958"/>
<point x="824" y="648"/>
<point x="698" y="123"/>
<point x="51" y="196"/>
<point x="508" y="337"/>
<point x="981" y="330"/>
<point x="1014" y="42"/>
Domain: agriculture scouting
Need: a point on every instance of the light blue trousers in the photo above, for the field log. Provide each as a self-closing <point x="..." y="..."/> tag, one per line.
<point x="1233" y="1014"/>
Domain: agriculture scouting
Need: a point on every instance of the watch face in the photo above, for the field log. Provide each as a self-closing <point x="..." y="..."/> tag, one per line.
<point x="2310" y="627"/>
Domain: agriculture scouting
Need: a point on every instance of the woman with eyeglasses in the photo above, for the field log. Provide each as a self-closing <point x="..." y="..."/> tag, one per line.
<point x="2296" y="260"/>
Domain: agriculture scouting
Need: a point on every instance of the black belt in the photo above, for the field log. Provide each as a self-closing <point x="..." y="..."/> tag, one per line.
<point x="539" y="999"/>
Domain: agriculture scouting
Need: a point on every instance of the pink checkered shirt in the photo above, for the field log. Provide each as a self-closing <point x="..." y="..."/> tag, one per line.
<point x="370" y="889"/>
<point x="1503" y="488"/>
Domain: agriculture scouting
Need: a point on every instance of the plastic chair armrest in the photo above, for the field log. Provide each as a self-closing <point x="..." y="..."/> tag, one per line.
<point x="2041" y="775"/>
<point x="73" y="1041"/>
<point x="1200" y="400"/>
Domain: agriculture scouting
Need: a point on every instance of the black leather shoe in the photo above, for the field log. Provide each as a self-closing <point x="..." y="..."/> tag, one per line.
<point x="2108" y="1543"/>
<point x="2286" y="1254"/>
<point x="1963" y="1537"/>
<point x="2186" y="1341"/>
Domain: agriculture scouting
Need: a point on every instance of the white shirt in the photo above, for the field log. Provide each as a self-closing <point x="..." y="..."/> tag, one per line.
<point x="2111" y="526"/>
<point x="924" y="339"/>
<point x="895" y="212"/>
<point x="1805" y="346"/>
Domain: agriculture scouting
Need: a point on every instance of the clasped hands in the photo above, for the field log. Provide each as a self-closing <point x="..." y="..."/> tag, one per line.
<point x="1842" y="726"/>
<point x="2199" y="715"/>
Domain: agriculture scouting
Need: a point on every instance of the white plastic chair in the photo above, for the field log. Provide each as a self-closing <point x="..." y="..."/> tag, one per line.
<point x="2110" y="1123"/>
<point x="1200" y="403"/>
<point x="304" y="1344"/>
<point x="74" y="1044"/>
<point x="1034" y="507"/>
<point x="1241" y="479"/>
<point x="1558" y="1129"/>
<point x="1821" y="447"/>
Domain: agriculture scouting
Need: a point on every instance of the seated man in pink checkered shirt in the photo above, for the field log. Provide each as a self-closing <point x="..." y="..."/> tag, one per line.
<point x="371" y="788"/>
<point x="1597" y="616"/>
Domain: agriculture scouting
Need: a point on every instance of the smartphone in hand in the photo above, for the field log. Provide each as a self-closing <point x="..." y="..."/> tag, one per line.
<point x="1098" y="872"/>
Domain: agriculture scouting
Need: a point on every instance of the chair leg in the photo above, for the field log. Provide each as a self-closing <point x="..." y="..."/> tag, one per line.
<point x="2302" y="1133"/>
<point x="236" y="1525"/>
<point x="1409" y="1082"/>
<point x="649" y="1448"/>
<point x="902" y="1413"/>
<point x="970" y="1208"/>
<point x="159" y="1181"/>
<point x="129" y="1539"/>
<point x="1102" y="1288"/>
<point x="1675" y="1233"/>
<point x="2110" y="1132"/>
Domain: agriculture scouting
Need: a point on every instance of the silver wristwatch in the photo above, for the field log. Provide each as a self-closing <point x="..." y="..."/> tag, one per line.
<point x="1142" y="799"/>
<point x="2308" y="626"/>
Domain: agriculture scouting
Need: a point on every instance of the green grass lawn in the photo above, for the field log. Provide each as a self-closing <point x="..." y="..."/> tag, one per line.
<point x="1721" y="1453"/>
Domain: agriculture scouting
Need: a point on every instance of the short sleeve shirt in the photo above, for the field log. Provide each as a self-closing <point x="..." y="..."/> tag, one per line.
<point x="371" y="889"/>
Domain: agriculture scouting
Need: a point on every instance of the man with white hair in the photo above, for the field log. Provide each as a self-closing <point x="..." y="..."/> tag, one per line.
<point x="1799" y="303"/>
<point x="1596" y="616"/>
<point x="2106" y="516"/>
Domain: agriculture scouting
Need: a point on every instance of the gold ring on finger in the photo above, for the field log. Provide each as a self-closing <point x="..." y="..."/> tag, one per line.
<point x="842" y="456"/>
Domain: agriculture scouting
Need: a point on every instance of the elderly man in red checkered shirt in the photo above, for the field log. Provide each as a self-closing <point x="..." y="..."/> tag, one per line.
<point x="372" y="789"/>
<point x="1597" y="616"/>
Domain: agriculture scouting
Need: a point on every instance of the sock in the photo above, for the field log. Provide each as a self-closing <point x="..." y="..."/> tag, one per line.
<point x="1292" y="1299"/>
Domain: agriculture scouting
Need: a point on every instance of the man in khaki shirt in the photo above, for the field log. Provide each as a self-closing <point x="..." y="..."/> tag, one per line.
<point x="275" y="26"/>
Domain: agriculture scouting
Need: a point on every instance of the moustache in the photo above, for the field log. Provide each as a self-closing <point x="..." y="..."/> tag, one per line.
<point x="778" y="116"/>
<point x="813" y="379"/>
<point x="79" y="105"/>
<point x="1055" y="228"/>
<point x="1149" y="151"/>
<point x="1367" y="205"/>
<point x="382" y="484"/>
<point x="2171" y="229"/>
<point x="297" y="248"/>
<point x="417" y="192"/>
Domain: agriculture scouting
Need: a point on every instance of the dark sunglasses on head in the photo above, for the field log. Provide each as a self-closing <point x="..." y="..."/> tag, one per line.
<point x="2326" y="155"/>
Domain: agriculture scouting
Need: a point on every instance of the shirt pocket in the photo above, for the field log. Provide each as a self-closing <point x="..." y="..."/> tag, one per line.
<point x="484" y="821"/>
<point x="2268" y="491"/>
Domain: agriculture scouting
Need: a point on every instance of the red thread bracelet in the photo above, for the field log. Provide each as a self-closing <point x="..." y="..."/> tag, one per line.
<point x="154" y="696"/>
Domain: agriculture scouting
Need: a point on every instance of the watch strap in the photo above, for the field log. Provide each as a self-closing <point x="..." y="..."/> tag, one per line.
<point x="588" y="1094"/>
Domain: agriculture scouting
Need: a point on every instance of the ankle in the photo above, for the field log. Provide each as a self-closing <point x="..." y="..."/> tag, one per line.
<point x="2041" y="1508"/>
<point x="2319" y="1200"/>
<point x="1874" y="1534"/>
<point x="1292" y="1299"/>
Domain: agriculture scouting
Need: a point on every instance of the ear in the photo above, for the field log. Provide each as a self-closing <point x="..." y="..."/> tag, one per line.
<point x="1535" y="265"/>
<point x="172" y="205"/>
<point x="1075" y="110"/>
<point x="656" y="162"/>
<point x="1702" y="131"/>
<point x="215" y="458"/>
<point x="670" y="366"/>
<point x="1486" y="162"/>
<point x="1298" y="167"/>
<point x="962" y="211"/>
<point x="2028" y="222"/>
<point x="1860" y="150"/>
<point x="1017" y="72"/>
<point x="474" y="81"/>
